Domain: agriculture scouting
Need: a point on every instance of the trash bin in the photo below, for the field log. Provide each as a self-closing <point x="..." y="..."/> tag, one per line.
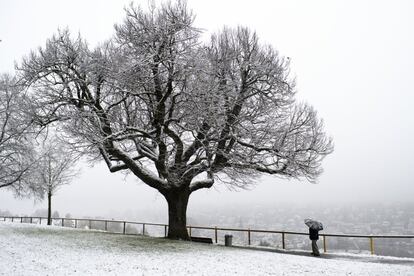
<point x="228" y="240"/>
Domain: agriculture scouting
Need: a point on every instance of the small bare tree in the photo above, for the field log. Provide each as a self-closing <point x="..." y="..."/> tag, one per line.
<point x="55" y="168"/>
<point x="17" y="155"/>
<point x="175" y="112"/>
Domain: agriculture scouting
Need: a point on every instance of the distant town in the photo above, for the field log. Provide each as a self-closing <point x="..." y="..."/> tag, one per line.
<point x="361" y="219"/>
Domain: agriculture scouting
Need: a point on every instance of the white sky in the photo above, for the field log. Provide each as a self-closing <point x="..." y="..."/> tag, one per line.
<point x="353" y="61"/>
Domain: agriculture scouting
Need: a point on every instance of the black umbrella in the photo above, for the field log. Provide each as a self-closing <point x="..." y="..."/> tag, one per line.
<point x="316" y="225"/>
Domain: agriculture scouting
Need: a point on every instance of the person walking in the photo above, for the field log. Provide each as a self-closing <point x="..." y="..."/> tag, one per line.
<point x="314" y="236"/>
<point x="314" y="228"/>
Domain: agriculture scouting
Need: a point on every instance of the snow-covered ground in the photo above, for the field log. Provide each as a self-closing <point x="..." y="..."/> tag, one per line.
<point x="27" y="249"/>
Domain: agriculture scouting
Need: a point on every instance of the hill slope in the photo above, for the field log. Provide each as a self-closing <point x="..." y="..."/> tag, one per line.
<point x="40" y="250"/>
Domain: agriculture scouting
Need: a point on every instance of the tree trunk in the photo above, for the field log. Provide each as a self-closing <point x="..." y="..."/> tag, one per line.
<point x="49" y="208"/>
<point x="177" y="214"/>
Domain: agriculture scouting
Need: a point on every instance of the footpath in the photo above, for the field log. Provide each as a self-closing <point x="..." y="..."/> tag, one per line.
<point x="337" y="255"/>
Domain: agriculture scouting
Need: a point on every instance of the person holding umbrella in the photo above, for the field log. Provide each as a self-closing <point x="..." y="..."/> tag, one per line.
<point x="314" y="228"/>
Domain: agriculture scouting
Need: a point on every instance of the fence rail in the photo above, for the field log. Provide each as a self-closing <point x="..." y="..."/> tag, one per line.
<point x="216" y="229"/>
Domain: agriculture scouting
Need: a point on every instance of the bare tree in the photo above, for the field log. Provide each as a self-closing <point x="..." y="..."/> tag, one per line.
<point x="16" y="148"/>
<point x="55" y="168"/>
<point x="175" y="112"/>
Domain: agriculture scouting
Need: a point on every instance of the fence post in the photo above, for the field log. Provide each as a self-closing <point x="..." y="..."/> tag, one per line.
<point x="21" y="220"/>
<point x="106" y="225"/>
<point x="12" y="219"/>
<point x="248" y="236"/>
<point x="76" y="223"/>
<point x="40" y="220"/>
<point x="124" y="227"/>
<point x="283" y="240"/>
<point x="165" y="230"/>
<point x="215" y="232"/>
<point x="63" y="222"/>
<point x="324" y="244"/>
<point x="143" y="229"/>
<point x="189" y="230"/>
<point x="371" y="243"/>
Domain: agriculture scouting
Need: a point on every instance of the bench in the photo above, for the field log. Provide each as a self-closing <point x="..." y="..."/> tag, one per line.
<point x="202" y="239"/>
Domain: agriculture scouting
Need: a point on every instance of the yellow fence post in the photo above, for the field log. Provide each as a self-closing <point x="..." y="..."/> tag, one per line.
<point x="371" y="243"/>
<point x="324" y="244"/>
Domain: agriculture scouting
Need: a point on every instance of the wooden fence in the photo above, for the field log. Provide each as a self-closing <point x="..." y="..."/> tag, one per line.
<point x="215" y="230"/>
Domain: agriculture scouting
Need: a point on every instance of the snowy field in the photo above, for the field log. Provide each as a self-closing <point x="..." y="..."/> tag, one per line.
<point x="40" y="250"/>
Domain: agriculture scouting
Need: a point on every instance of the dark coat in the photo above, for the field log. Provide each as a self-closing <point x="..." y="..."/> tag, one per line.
<point x="313" y="234"/>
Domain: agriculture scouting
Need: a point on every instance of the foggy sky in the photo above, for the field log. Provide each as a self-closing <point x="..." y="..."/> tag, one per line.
<point x="353" y="62"/>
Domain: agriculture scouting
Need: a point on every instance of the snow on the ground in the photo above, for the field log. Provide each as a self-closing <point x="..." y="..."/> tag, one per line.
<point x="27" y="249"/>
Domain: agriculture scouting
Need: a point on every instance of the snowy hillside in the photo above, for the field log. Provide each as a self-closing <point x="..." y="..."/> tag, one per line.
<point x="40" y="250"/>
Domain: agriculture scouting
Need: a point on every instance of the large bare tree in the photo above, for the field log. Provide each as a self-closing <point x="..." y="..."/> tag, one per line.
<point x="17" y="155"/>
<point x="179" y="114"/>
